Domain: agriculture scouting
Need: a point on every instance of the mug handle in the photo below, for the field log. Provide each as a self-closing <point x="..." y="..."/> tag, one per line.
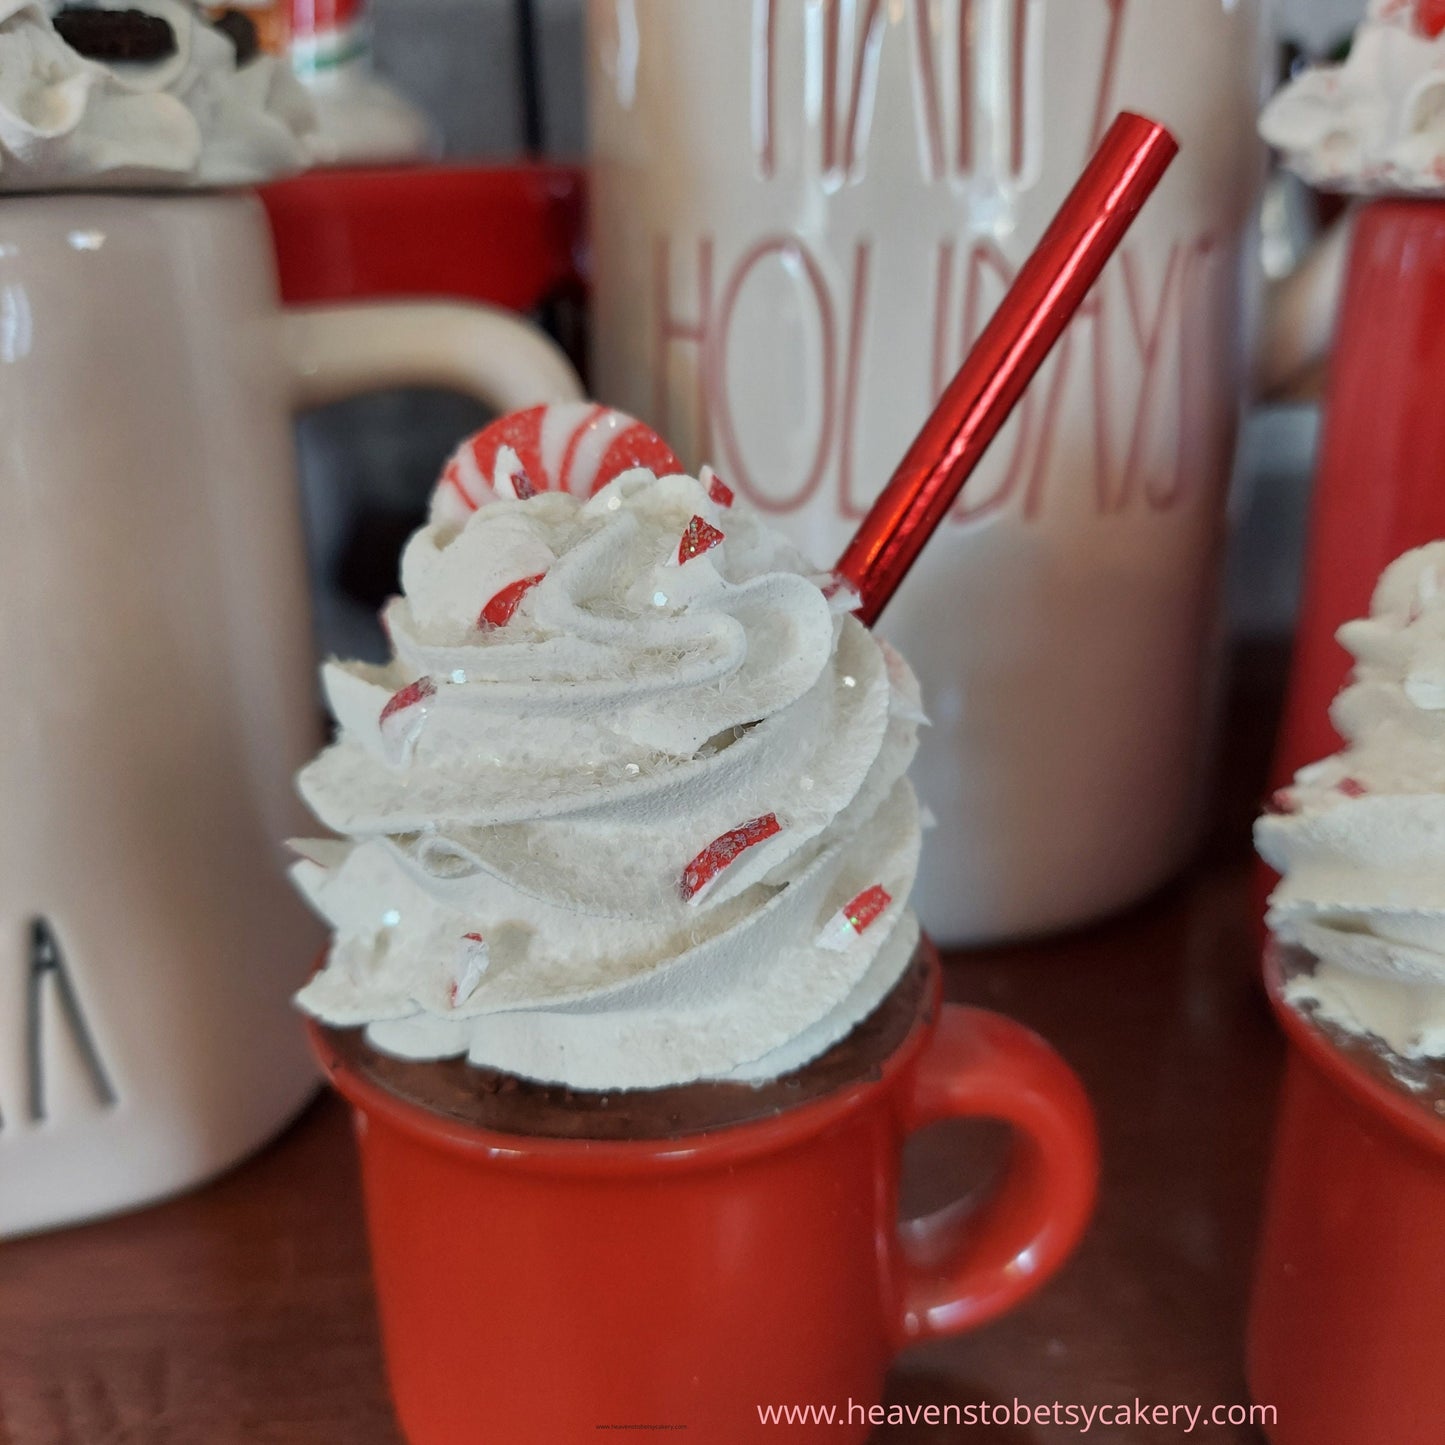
<point x="969" y="1262"/>
<point x="494" y="355"/>
<point x="1298" y="324"/>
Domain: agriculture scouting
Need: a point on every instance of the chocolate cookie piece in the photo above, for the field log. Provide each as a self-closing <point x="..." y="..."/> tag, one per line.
<point x="115" y="34"/>
<point x="240" y="30"/>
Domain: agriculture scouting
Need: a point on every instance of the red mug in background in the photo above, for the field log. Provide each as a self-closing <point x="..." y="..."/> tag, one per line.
<point x="505" y="235"/>
<point x="1345" y="1337"/>
<point x="1378" y="485"/>
<point x="533" y="1290"/>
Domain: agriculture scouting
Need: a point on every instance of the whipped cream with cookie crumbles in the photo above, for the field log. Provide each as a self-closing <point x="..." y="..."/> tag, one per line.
<point x="628" y="807"/>
<point x="179" y="102"/>
<point x="1376" y="122"/>
<point x="1360" y="837"/>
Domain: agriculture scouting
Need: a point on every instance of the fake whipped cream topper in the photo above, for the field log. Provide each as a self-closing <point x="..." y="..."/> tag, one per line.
<point x="1360" y="836"/>
<point x="628" y="808"/>
<point x="1376" y="122"/>
<point x="152" y="93"/>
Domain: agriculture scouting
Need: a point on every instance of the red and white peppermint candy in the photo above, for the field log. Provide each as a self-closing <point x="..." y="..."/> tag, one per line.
<point x="472" y="960"/>
<point x="853" y="918"/>
<point x="574" y="446"/>
<point x="498" y="612"/>
<point x="699" y="536"/>
<point x="699" y="875"/>
<point x="403" y="717"/>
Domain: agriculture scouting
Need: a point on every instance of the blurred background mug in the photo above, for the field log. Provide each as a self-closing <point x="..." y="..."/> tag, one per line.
<point x="159" y="674"/>
<point x="803" y="212"/>
<point x="1377" y="488"/>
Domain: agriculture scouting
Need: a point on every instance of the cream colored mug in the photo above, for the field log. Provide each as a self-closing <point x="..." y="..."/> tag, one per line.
<point x="157" y="679"/>
<point x="803" y="213"/>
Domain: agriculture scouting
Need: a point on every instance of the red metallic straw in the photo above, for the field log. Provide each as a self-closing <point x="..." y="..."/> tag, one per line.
<point x="1048" y="290"/>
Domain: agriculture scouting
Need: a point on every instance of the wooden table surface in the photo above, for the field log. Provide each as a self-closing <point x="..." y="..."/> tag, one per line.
<point x="242" y="1315"/>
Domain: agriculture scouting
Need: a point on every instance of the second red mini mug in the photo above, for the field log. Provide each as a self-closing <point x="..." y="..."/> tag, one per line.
<point x="1345" y="1335"/>
<point x="533" y="1290"/>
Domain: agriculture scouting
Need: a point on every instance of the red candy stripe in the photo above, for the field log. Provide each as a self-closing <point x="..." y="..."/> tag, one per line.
<point x="498" y="612"/>
<point x="699" y="537"/>
<point x="724" y="850"/>
<point x="719" y="491"/>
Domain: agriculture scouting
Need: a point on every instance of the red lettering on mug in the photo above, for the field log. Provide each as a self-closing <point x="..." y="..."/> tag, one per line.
<point x="847" y="64"/>
<point x="787" y="248"/>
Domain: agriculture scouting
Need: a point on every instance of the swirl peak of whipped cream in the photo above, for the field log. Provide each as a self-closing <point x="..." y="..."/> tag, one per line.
<point x="1360" y="837"/>
<point x="1376" y="122"/>
<point x="193" y="117"/>
<point x="628" y="807"/>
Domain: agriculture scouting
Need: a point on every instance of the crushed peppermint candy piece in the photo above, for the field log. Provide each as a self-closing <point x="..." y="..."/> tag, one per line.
<point x="700" y="874"/>
<point x="853" y="918"/>
<point x="521" y="485"/>
<point x="498" y="612"/>
<point x="402" y="718"/>
<point x="700" y="537"/>
<point x="472" y="960"/>
<point x="1352" y="787"/>
<point x="841" y="594"/>
<point x="1430" y="17"/>
<point x="509" y="475"/>
<point x="718" y="490"/>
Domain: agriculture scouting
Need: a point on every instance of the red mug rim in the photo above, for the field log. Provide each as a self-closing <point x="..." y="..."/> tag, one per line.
<point x="708" y="1148"/>
<point x="1373" y="1094"/>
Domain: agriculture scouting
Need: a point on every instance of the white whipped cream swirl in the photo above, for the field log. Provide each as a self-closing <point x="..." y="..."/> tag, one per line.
<point x="1375" y="123"/>
<point x="511" y="884"/>
<point x="1360" y="837"/>
<point x="192" y="118"/>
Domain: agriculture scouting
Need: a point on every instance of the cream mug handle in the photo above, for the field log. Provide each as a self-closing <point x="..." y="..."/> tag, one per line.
<point x="494" y="355"/>
<point x="1299" y="318"/>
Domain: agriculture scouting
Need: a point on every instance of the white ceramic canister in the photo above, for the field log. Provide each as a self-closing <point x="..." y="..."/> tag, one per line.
<point x="803" y="212"/>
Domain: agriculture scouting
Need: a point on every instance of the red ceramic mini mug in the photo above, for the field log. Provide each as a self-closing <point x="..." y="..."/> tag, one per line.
<point x="533" y="1290"/>
<point x="1347" y="1325"/>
